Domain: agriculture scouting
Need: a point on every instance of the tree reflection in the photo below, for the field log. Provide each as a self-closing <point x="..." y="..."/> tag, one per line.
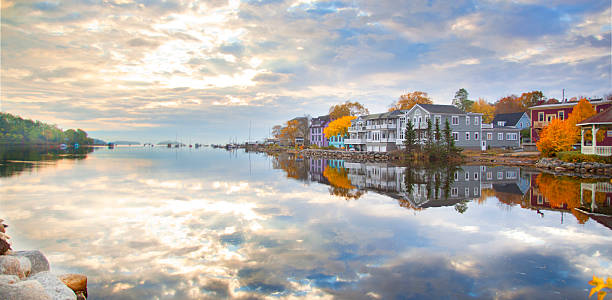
<point x="341" y="185"/>
<point x="17" y="159"/>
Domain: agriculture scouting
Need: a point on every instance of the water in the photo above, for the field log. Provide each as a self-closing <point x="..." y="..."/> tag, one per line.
<point x="159" y="223"/>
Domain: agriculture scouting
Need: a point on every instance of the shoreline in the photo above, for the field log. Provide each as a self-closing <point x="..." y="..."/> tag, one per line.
<point x="523" y="159"/>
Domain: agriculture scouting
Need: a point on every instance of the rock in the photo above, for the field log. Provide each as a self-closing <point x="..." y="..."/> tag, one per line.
<point x="8" y="279"/>
<point x="12" y="265"/>
<point x="4" y="246"/>
<point x="37" y="259"/>
<point x="76" y="282"/>
<point x="23" y="290"/>
<point x="54" y="287"/>
<point x="559" y="169"/>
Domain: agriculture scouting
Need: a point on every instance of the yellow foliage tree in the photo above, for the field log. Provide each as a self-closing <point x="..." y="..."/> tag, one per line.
<point x="338" y="126"/>
<point x="486" y="109"/>
<point x="347" y="109"/>
<point x="290" y="131"/>
<point x="407" y="101"/>
<point x="560" y="135"/>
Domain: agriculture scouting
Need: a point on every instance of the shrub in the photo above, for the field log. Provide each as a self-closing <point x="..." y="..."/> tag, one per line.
<point x="576" y="157"/>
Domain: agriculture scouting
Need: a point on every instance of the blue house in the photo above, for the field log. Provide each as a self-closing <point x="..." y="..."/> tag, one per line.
<point x="519" y="120"/>
<point x="337" y="141"/>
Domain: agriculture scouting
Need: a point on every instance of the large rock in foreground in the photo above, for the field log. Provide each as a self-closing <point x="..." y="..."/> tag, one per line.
<point x="37" y="259"/>
<point x="53" y="286"/>
<point x="14" y="265"/>
<point x="23" y="290"/>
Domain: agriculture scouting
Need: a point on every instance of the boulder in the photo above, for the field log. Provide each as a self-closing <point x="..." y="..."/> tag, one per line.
<point x="54" y="287"/>
<point x="76" y="282"/>
<point x="37" y="259"/>
<point x="4" y="246"/>
<point x="8" y="279"/>
<point x="23" y="290"/>
<point x="13" y="265"/>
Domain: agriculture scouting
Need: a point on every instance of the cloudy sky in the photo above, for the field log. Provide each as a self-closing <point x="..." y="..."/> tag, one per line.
<point x="150" y="70"/>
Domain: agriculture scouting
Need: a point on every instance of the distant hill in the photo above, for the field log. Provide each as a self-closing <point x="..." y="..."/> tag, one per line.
<point x="16" y="130"/>
<point x="168" y="142"/>
<point x="99" y="142"/>
<point x="126" y="143"/>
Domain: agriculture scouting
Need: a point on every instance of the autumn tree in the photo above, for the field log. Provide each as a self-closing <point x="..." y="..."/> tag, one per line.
<point x="407" y="101"/>
<point x="347" y="109"/>
<point x="561" y="135"/>
<point x="532" y="98"/>
<point x="339" y="126"/>
<point x="290" y="132"/>
<point x="461" y="100"/>
<point x="509" y="104"/>
<point x="485" y="108"/>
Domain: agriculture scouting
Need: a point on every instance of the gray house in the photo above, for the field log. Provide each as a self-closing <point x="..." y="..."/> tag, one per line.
<point x="500" y="137"/>
<point x="518" y="120"/>
<point x="465" y="127"/>
<point x="374" y="132"/>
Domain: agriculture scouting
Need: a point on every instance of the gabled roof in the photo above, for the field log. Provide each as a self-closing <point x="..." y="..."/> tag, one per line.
<point x="604" y="117"/>
<point x="441" y="109"/>
<point x="385" y="115"/>
<point x="511" y="118"/>
<point x="324" y="118"/>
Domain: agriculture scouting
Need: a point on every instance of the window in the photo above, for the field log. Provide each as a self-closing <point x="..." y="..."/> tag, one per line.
<point x="467" y="192"/>
<point x="467" y="136"/>
<point x="500" y="136"/>
<point x="475" y="136"/>
<point x="489" y="136"/>
<point x="456" y="176"/>
<point x="521" y="125"/>
<point x="467" y="176"/>
<point x="500" y="175"/>
<point x="511" y="136"/>
<point x="489" y="175"/>
<point x="540" y="199"/>
<point x="609" y="133"/>
<point x="561" y="115"/>
<point x="511" y="174"/>
<point x="501" y="123"/>
<point x="475" y="191"/>
<point x="455" y="120"/>
<point x="455" y="136"/>
<point x="454" y="192"/>
<point x="541" y="116"/>
<point x="475" y="175"/>
<point x="476" y="120"/>
<point x="467" y="120"/>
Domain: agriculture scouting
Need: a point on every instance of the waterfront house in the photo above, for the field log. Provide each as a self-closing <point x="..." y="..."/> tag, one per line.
<point x="374" y="132"/>
<point x="542" y="115"/>
<point x="465" y="126"/>
<point x="518" y="120"/>
<point x="337" y="141"/>
<point x="599" y="122"/>
<point x="317" y="125"/>
<point x="500" y="137"/>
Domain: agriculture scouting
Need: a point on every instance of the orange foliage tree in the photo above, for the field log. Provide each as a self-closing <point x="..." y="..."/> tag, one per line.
<point x="560" y="135"/>
<point x="341" y="186"/>
<point x="290" y="131"/>
<point x="338" y="126"/>
<point x="347" y="109"/>
<point x="561" y="192"/>
<point x="407" y="101"/>
<point x="486" y="109"/>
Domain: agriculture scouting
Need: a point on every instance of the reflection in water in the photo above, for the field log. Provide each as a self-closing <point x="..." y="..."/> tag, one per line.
<point x="17" y="159"/>
<point x="162" y="223"/>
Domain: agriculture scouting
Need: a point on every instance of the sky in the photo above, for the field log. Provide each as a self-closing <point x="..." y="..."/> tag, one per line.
<point x="211" y="71"/>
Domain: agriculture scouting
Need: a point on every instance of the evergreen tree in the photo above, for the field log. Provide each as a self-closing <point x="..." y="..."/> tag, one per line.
<point x="437" y="133"/>
<point x="429" y="137"/>
<point x="409" y="137"/>
<point x="449" y="142"/>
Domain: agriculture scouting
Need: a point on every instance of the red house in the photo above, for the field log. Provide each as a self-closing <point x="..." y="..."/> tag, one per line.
<point x="541" y="115"/>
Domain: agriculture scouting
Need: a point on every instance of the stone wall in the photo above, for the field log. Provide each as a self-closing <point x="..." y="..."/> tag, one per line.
<point x="351" y="155"/>
<point x="581" y="168"/>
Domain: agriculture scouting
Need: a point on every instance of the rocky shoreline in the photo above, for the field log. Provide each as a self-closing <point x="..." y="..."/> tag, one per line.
<point x="351" y="155"/>
<point x="584" y="169"/>
<point x="26" y="275"/>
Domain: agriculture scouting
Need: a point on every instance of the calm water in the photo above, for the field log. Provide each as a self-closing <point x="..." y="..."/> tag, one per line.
<point x="146" y="223"/>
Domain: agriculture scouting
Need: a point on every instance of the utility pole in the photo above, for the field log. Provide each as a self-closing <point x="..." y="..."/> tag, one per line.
<point x="563" y="99"/>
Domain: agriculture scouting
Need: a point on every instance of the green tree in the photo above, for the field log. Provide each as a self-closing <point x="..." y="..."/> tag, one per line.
<point x="429" y="137"/>
<point x="449" y="142"/>
<point x="461" y="100"/>
<point x="409" y="137"/>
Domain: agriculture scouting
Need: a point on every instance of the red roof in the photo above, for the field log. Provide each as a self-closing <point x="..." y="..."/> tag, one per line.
<point x="600" y="118"/>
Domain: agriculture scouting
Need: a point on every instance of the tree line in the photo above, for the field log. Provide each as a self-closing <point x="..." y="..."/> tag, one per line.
<point x="16" y="130"/>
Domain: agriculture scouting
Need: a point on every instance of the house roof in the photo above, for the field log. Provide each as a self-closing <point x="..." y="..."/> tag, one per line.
<point x="390" y="114"/>
<point x="604" y="117"/>
<point x="511" y="118"/>
<point x="568" y="104"/>
<point x="324" y="118"/>
<point x="441" y="109"/>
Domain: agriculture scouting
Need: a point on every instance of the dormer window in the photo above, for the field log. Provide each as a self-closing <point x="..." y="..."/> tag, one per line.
<point x="501" y="123"/>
